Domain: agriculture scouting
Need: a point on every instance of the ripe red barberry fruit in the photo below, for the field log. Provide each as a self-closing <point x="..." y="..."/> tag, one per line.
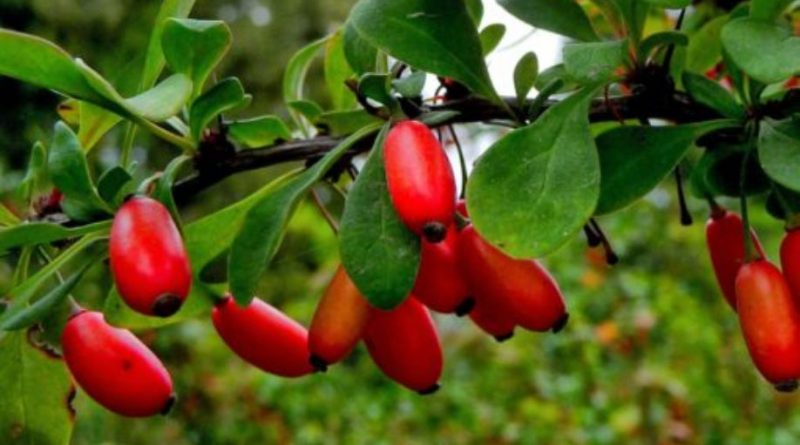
<point x="770" y="323"/>
<point x="420" y="180"/>
<point x="115" y="368"/>
<point x="725" y="239"/>
<point x="404" y="344"/>
<point x="440" y="285"/>
<point x="148" y="259"/>
<point x="790" y="261"/>
<point x="493" y="319"/>
<point x="263" y="336"/>
<point x="521" y="288"/>
<point x="339" y="322"/>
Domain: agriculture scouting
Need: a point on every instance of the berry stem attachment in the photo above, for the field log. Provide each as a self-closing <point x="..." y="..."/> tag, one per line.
<point x="324" y="211"/>
<point x="461" y="160"/>
<point x="750" y="253"/>
<point x="686" y="216"/>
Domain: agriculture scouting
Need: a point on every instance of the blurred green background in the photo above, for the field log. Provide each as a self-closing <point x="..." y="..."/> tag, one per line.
<point x="652" y="355"/>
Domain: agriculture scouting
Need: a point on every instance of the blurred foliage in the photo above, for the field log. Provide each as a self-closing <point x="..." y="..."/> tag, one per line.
<point x="652" y="354"/>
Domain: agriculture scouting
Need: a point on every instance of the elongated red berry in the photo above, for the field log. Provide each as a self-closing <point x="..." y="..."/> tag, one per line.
<point x="339" y="322"/>
<point x="404" y="344"/>
<point x="770" y="323"/>
<point x="522" y="288"/>
<point x="420" y="179"/>
<point x="440" y="285"/>
<point x="790" y="261"/>
<point x="263" y="336"/>
<point x="725" y="239"/>
<point x="148" y="259"/>
<point x="115" y="368"/>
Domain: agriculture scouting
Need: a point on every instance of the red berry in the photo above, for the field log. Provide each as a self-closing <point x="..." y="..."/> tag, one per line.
<point x="115" y="368"/>
<point x="790" y="261"/>
<point x="404" y="344"/>
<point x="493" y="319"/>
<point x="339" y="321"/>
<point x="521" y="288"/>
<point x="420" y="180"/>
<point x="770" y="323"/>
<point x="725" y="239"/>
<point x="440" y="285"/>
<point x="263" y="336"/>
<point x="148" y="259"/>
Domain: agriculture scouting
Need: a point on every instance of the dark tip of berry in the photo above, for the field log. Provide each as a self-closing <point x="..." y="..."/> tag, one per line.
<point x="504" y="337"/>
<point x="319" y="364"/>
<point x="166" y="305"/>
<point x="128" y="197"/>
<point x="465" y="307"/>
<point x="434" y="232"/>
<point x="612" y="258"/>
<point x="168" y="406"/>
<point x="435" y="387"/>
<point x="786" y="386"/>
<point x="561" y="323"/>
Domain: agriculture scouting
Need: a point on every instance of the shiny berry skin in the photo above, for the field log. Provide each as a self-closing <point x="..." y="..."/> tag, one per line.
<point x="440" y="285"/>
<point x="339" y="322"/>
<point x="263" y="336"/>
<point x="725" y="240"/>
<point x="115" y="368"/>
<point x="770" y="323"/>
<point x="404" y="344"/>
<point x="148" y="259"/>
<point x="420" y="180"/>
<point x="522" y="288"/>
<point x="790" y="261"/>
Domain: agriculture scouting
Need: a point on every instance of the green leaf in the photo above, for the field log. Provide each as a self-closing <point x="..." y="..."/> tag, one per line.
<point x="259" y="131"/>
<point x="563" y="17"/>
<point x="768" y="10"/>
<point x="94" y="123"/>
<point x="538" y="185"/>
<point x="670" y="4"/>
<point x="661" y="39"/>
<point x="553" y="74"/>
<point x="437" y="36"/>
<point x="265" y="223"/>
<point x="37" y="389"/>
<point x="225" y="96"/>
<point x="337" y="71"/>
<point x="705" y="48"/>
<point x="163" y="101"/>
<point x="378" y="251"/>
<point x="7" y="217"/>
<point x="360" y="54"/>
<point x="42" y="63"/>
<point x="33" y="314"/>
<point x="767" y="52"/>
<point x="343" y="123"/>
<point x="23" y="292"/>
<point x="308" y="109"/>
<point x="36" y="233"/>
<point x="595" y="61"/>
<point x="718" y="172"/>
<point x="114" y="184"/>
<point x="378" y="88"/>
<point x="634" y="14"/>
<point x="163" y="189"/>
<point x="37" y="172"/>
<point x="70" y="173"/>
<point x="634" y="159"/>
<point x="779" y="151"/>
<point x="410" y="86"/>
<point x="525" y="74"/>
<point x="707" y="92"/>
<point x="154" y="60"/>
<point x="491" y="36"/>
<point x="195" y="47"/>
<point x="295" y="75"/>
<point x="475" y="10"/>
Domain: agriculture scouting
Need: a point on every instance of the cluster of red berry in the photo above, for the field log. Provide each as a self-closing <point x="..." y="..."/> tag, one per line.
<point x="459" y="273"/>
<point x="764" y="298"/>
